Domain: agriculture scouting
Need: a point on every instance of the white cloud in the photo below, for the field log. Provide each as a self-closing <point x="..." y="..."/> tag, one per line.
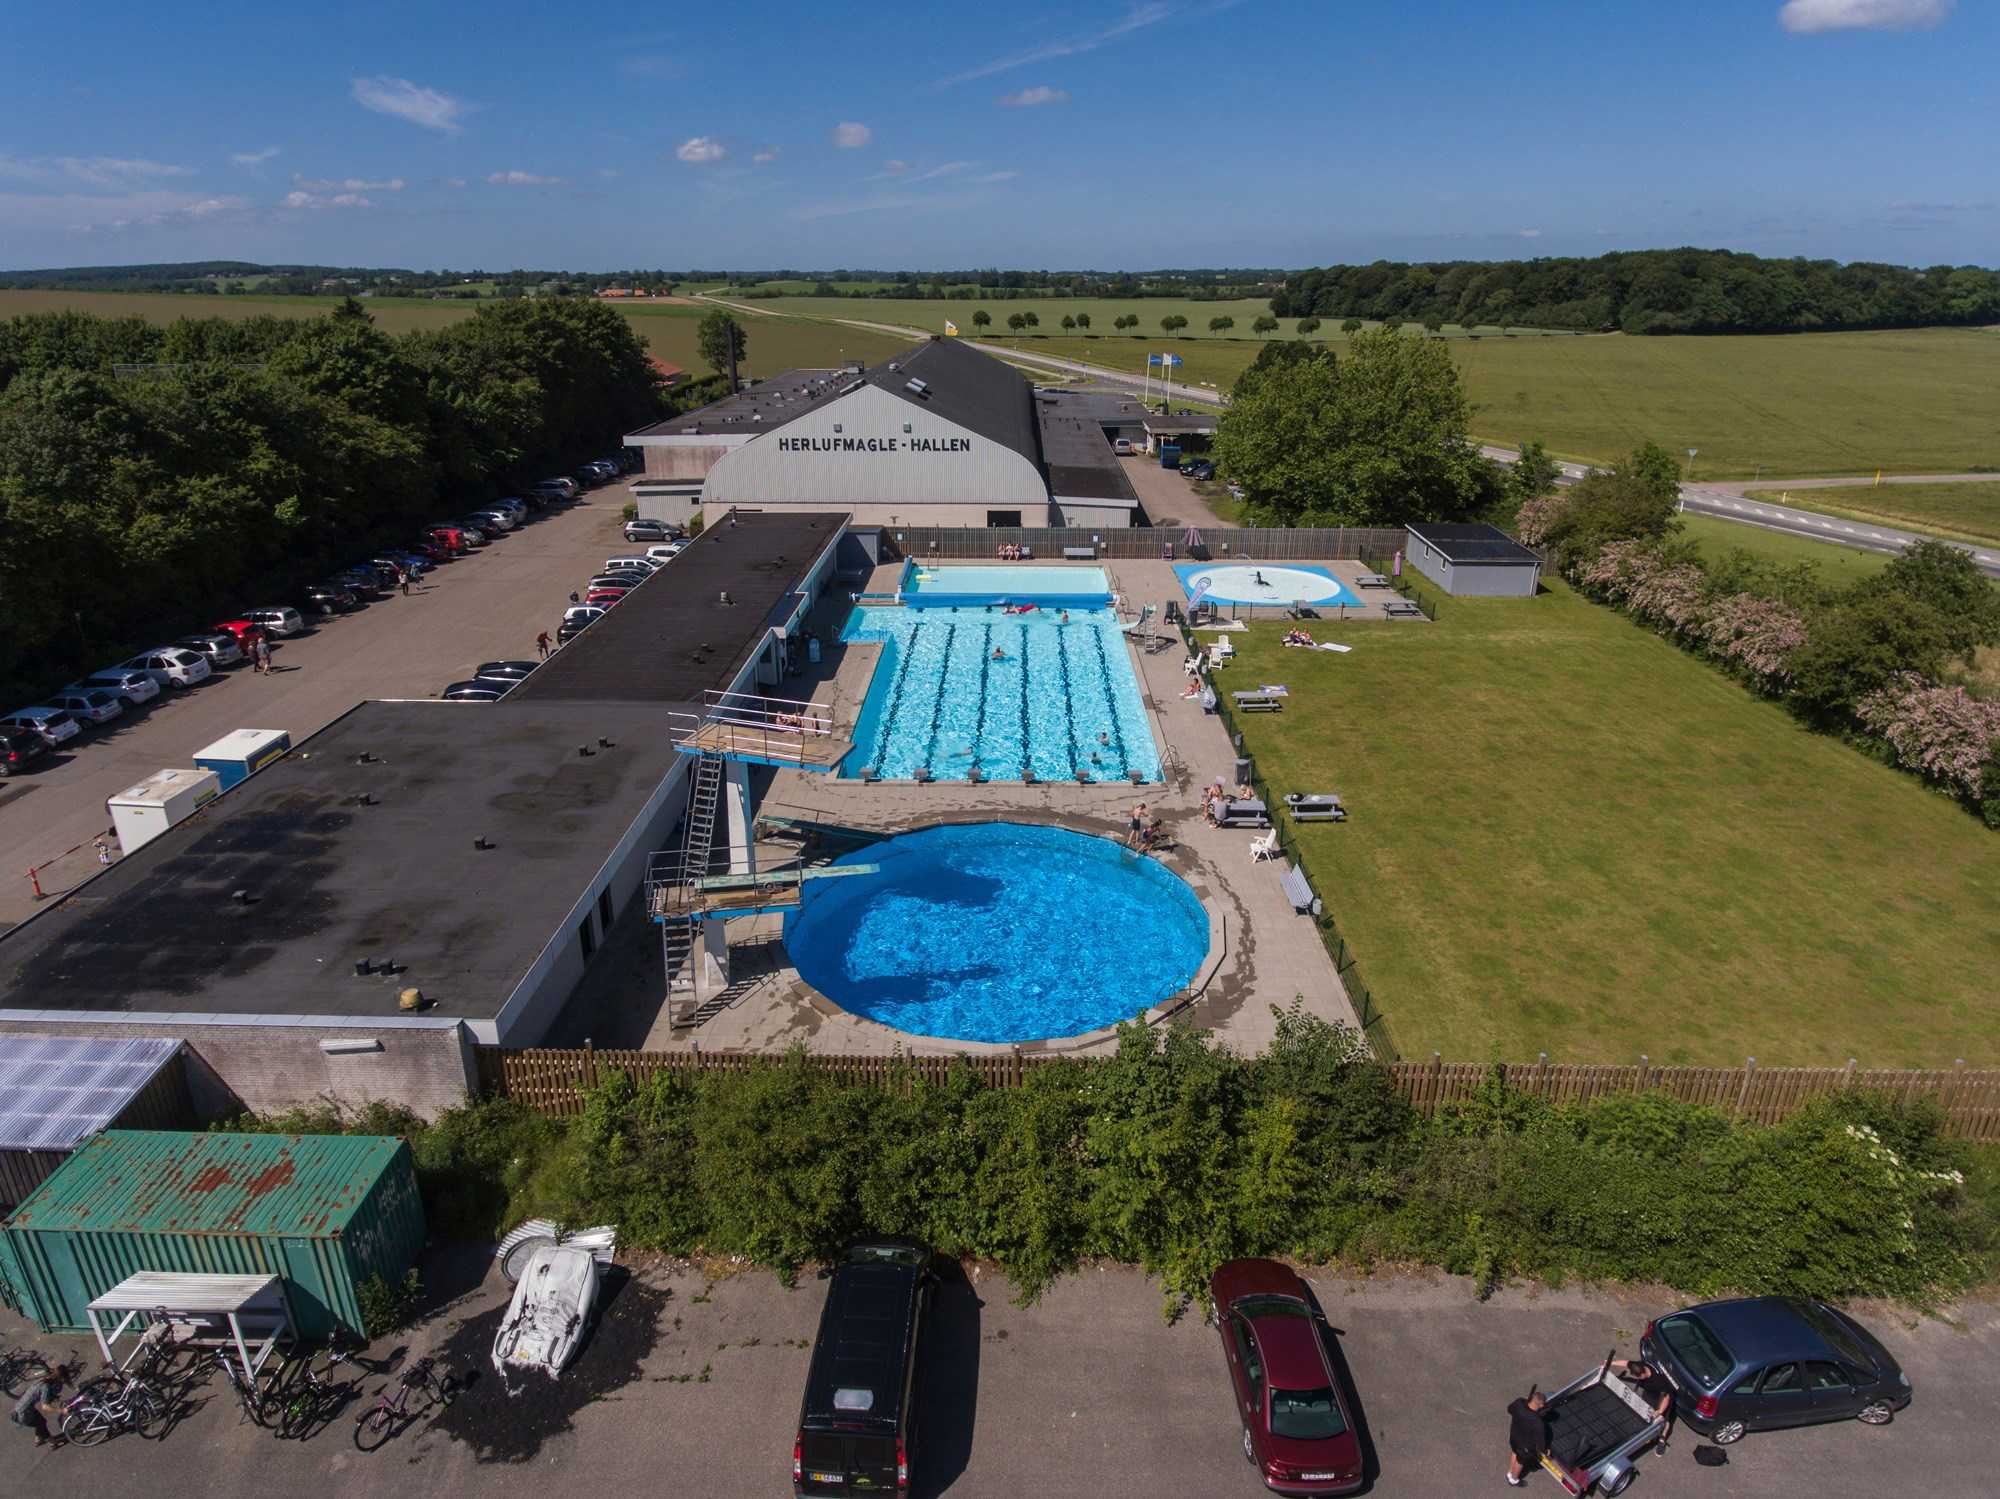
<point x="894" y="168"/>
<point x="1032" y="98"/>
<point x="1529" y="233"/>
<point x="850" y="136"/>
<point x="121" y="172"/>
<point x="298" y="198"/>
<point x="523" y="179"/>
<point x="405" y="100"/>
<point x="349" y="184"/>
<point x="948" y="169"/>
<point x="253" y="158"/>
<point x="768" y="154"/>
<point x="1807" y="17"/>
<point x="700" y="150"/>
<point x="1137" y="18"/>
<point x="989" y="177"/>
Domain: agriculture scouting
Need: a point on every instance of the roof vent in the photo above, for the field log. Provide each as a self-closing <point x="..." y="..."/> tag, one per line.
<point x="917" y="386"/>
<point x="892" y="364"/>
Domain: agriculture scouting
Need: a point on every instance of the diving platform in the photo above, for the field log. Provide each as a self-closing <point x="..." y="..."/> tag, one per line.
<point x="758" y="730"/>
<point x="675" y="896"/>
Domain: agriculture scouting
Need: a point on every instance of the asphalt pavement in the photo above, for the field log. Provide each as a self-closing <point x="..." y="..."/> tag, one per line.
<point x="1091" y="1391"/>
<point x="486" y="606"/>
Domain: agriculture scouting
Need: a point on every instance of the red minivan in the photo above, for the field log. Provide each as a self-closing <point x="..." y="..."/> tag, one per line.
<point x="1297" y="1431"/>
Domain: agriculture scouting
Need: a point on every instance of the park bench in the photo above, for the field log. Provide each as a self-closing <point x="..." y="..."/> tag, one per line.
<point x="1372" y="580"/>
<point x="1079" y="554"/>
<point x="1303" y="808"/>
<point x="1257" y="702"/>
<point x="1401" y="609"/>
<point x="1297" y="891"/>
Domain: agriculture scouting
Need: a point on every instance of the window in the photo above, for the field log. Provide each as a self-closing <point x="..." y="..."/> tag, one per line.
<point x="585" y="937"/>
<point x="1246" y="1350"/>
<point x="1822" y="1376"/>
<point x="1307" y="1415"/>
<point x="1781" y="1379"/>
<point x="1700" y="1351"/>
<point x="1003" y="518"/>
<point x="1835" y="1333"/>
<point x="604" y="909"/>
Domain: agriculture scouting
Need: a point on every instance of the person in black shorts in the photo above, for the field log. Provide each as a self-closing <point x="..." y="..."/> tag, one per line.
<point x="1653" y="1388"/>
<point x="1527" y="1435"/>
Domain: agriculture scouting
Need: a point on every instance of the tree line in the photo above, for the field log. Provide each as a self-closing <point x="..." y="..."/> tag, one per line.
<point x="1650" y="291"/>
<point x="152" y="478"/>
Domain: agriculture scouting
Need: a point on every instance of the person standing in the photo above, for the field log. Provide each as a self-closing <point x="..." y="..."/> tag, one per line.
<point x="1653" y="1388"/>
<point x="37" y="1408"/>
<point x="403" y="580"/>
<point x="264" y="657"/>
<point x="1527" y="1435"/>
<point x="542" y="644"/>
<point x="103" y="849"/>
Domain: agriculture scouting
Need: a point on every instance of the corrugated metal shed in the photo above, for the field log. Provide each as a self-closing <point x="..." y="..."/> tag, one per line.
<point x="57" y="1091"/>
<point x="325" y="1212"/>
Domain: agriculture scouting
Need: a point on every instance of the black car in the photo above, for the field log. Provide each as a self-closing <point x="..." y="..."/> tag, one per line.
<point x="510" y="671"/>
<point x="1770" y="1361"/>
<point x="569" y="629"/>
<point x="20" y="748"/>
<point x="330" y="597"/>
<point x="858" y="1421"/>
<point x="475" y="691"/>
<point x="1200" y="468"/>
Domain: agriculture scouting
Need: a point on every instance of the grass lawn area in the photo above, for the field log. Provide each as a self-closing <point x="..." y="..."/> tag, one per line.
<point x="1568" y="836"/>
<point x="1838" y="565"/>
<point x="1970" y="509"/>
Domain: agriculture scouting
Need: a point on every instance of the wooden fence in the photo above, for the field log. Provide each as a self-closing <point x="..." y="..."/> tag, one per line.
<point x="1218" y="543"/>
<point x="553" y="1081"/>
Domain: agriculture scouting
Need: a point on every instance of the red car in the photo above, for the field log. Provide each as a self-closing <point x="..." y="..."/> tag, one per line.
<point x="1297" y="1431"/>
<point x="605" y="596"/>
<point x="242" y="631"/>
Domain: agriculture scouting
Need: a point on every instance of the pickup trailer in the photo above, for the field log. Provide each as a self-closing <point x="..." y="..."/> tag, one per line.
<point x="1598" y="1426"/>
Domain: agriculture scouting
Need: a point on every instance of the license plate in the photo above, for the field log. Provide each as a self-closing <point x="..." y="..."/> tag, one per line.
<point x="1318" y="1477"/>
<point x="826" y="1477"/>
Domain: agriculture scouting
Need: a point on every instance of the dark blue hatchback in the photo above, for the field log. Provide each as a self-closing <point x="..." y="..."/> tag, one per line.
<point x="1771" y="1361"/>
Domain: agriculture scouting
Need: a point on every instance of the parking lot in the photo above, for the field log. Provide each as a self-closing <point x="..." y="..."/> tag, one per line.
<point x="1091" y="1391"/>
<point x="487" y="605"/>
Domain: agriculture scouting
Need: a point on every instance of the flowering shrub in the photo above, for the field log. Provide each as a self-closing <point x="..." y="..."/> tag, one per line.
<point x="1756" y="634"/>
<point x="1535" y="522"/>
<point x="1940" y="732"/>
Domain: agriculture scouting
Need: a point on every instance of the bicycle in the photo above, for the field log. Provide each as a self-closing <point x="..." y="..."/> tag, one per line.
<point x="248" y="1396"/>
<point x="386" y="1417"/>
<point x="21" y="1367"/>
<point x="309" y="1400"/>
<point x="109" y="1405"/>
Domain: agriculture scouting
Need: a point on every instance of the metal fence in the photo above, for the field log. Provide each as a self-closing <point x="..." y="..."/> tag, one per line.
<point x="1218" y="544"/>
<point x="554" y="1081"/>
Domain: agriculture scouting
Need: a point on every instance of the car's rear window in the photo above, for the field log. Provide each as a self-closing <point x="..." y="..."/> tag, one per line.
<point x="1699" y="1350"/>
<point x="1306" y="1415"/>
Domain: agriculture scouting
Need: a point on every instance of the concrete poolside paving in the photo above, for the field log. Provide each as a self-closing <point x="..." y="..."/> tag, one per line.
<point x="1264" y="956"/>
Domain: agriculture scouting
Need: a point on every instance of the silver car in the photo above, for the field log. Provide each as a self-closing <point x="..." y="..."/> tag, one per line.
<point x="276" y="619"/>
<point x="93" y="705"/>
<point x="53" y="724"/>
<point x="134" y="686"/>
<point x="221" y="650"/>
<point x="172" y="666"/>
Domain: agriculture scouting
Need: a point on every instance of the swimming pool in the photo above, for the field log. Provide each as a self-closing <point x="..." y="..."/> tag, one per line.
<point x="1057" y="699"/>
<point x="1266" y="583"/>
<point x="1063" y="587"/>
<point x="999" y="931"/>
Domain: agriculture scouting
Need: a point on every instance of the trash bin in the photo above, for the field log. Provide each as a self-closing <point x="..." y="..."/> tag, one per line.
<point x="1243" y="770"/>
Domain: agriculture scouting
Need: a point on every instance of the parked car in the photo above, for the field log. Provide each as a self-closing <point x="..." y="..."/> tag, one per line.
<point x="858" y="1419"/>
<point x="364" y="582"/>
<point x="668" y="551"/>
<point x="1200" y="468"/>
<point x="646" y="565"/>
<point x="623" y="580"/>
<point x="554" y="494"/>
<point x="568" y="486"/>
<point x="430" y="550"/>
<point x="491" y="523"/>
<point x="89" y="706"/>
<point x="647" y="530"/>
<point x="328" y="598"/>
<point x="172" y="666"/>
<point x="512" y="671"/>
<point x="452" y="538"/>
<point x="1297" y="1431"/>
<point x="135" y="687"/>
<point x="606" y="593"/>
<point x="19" y="749"/>
<point x="1769" y="1361"/>
<point x="582" y="614"/>
<point x="55" y="725"/>
<point x="471" y="691"/>
<point x="219" y="646"/>
<point x="408" y="563"/>
<point x="511" y="505"/>
<point x="243" y="632"/>
<point x="569" y="629"/>
<point x="276" y="619"/>
<point x="1123" y="447"/>
<point x="384" y="573"/>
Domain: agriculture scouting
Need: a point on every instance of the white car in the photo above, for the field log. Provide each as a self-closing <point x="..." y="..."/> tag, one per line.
<point x="171" y="666"/>
<point x="582" y="614"/>
<point x="511" y="506"/>
<point x="53" y="724"/>
<point x="217" y="650"/>
<point x="567" y="486"/>
<point x="135" y="687"/>
<point x="92" y="705"/>
<point x="550" y="1312"/>
<point x="644" y="564"/>
<point x="667" y="551"/>
<point x="275" y="620"/>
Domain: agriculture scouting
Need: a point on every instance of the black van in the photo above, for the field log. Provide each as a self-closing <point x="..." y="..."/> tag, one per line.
<point x="858" y="1423"/>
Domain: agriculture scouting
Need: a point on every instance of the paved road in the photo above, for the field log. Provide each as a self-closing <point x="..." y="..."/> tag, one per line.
<point x="1089" y="1392"/>
<point x="479" y="608"/>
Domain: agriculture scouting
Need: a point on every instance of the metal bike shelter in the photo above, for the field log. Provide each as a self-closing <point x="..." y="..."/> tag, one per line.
<point x="244" y="1315"/>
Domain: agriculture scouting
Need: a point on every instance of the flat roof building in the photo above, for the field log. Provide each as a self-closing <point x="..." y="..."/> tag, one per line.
<point x="1474" y="560"/>
<point x="940" y="435"/>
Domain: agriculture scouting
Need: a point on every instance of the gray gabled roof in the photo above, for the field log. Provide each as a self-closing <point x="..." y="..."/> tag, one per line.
<point x="968" y="388"/>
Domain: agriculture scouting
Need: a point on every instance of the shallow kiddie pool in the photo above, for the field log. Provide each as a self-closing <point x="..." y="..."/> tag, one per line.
<point x="1265" y="583"/>
<point x="999" y="931"/>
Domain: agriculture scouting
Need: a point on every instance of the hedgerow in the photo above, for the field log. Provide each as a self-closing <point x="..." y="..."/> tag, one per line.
<point x="1176" y="1154"/>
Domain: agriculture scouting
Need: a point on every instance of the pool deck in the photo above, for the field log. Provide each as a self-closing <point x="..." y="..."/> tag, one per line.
<point x="1263" y="954"/>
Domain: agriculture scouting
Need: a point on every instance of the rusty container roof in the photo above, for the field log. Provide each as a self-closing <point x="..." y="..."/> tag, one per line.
<point x="168" y="1182"/>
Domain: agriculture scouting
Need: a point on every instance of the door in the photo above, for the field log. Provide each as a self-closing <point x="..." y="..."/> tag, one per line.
<point x="1781" y="1398"/>
<point x="1835" y="1396"/>
<point x="1250" y="1384"/>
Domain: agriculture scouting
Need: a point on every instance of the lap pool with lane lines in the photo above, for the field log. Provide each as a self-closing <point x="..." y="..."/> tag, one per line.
<point x="1058" y="699"/>
<point x="1279" y="584"/>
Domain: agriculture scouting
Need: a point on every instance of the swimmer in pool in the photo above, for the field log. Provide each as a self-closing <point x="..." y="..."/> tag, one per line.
<point x="998" y="654"/>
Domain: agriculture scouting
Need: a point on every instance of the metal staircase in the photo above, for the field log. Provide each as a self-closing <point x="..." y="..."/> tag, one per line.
<point x="677" y="931"/>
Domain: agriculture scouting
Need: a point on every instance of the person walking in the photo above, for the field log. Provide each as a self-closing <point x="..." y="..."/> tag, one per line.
<point x="1527" y="1436"/>
<point x="264" y="657"/>
<point x="542" y="644"/>
<point x="37" y="1408"/>
<point x="103" y="849"/>
<point x="403" y="580"/>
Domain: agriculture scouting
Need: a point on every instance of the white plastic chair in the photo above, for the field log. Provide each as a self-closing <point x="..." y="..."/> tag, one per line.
<point x="1265" y="847"/>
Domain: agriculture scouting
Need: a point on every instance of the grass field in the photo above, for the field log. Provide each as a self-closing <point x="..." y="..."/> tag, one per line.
<point x="1970" y="509"/>
<point x="1838" y="565"/>
<point x="1568" y="836"/>
<point x="776" y="343"/>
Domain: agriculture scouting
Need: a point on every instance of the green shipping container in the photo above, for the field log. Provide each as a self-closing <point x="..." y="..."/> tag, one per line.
<point x="325" y="1212"/>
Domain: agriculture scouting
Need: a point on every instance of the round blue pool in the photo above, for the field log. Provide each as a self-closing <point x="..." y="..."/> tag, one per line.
<point x="998" y="931"/>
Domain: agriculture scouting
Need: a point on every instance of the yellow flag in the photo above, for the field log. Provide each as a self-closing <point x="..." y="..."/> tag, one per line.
<point x="950" y="328"/>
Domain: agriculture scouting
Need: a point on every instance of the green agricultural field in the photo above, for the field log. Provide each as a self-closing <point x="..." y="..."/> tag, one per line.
<point x="1970" y="509"/>
<point x="392" y="314"/>
<point x="1569" y="836"/>
<point x="932" y="314"/>
<point x="1838" y="565"/>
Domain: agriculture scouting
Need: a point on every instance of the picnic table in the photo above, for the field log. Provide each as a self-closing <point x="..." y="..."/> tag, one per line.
<point x="1372" y="580"/>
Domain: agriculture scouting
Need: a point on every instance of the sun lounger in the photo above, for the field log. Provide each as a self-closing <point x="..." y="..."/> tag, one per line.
<point x="1297" y="891"/>
<point x="1372" y="580"/>
<point x="1304" y="808"/>
<point x="1222" y="648"/>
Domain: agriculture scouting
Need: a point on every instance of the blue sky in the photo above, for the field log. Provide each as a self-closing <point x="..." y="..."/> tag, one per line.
<point x="1104" y="135"/>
